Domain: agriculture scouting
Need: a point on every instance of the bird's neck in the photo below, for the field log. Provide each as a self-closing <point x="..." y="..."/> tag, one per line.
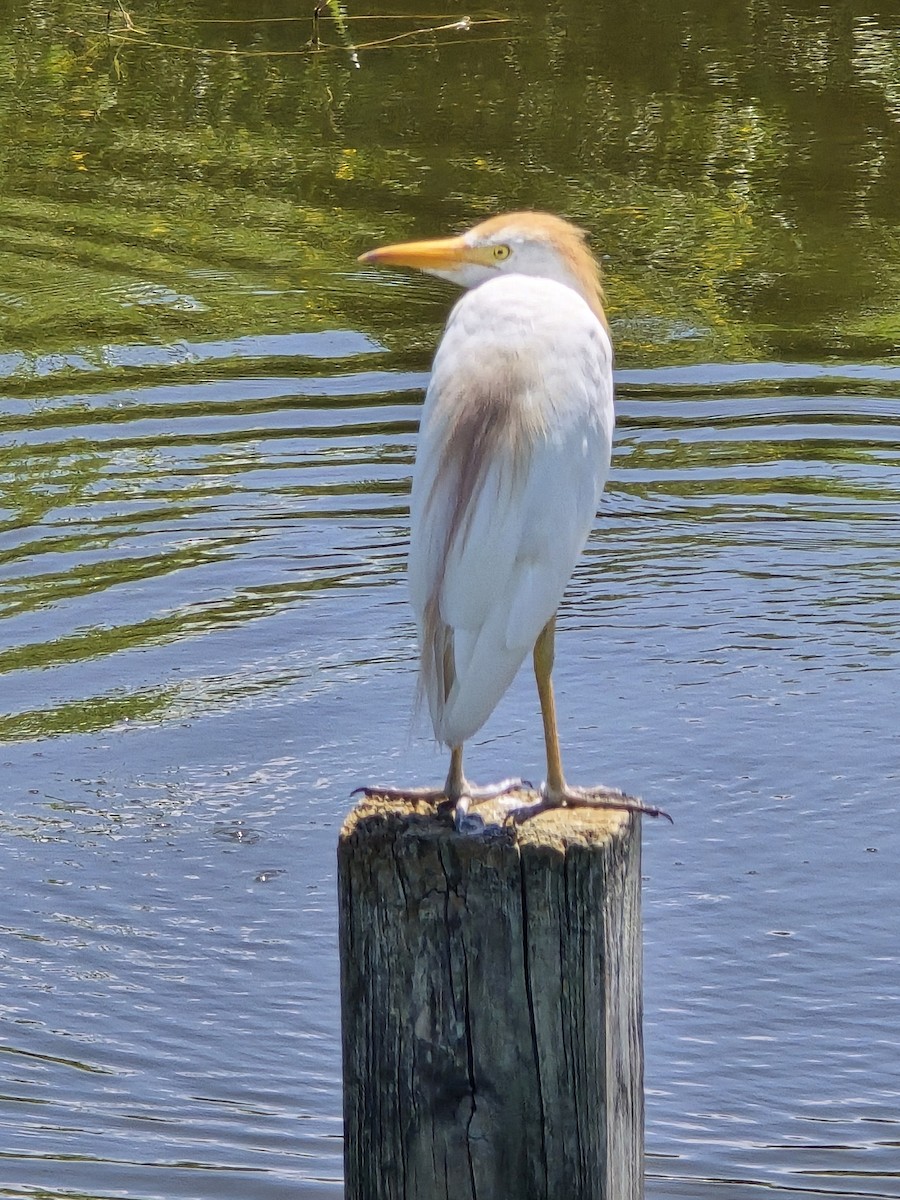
<point x="584" y="278"/>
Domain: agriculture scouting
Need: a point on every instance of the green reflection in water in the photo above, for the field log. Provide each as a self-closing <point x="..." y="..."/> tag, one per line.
<point x="199" y="178"/>
<point x="194" y="178"/>
<point x="100" y="712"/>
<point x="231" y="610"/>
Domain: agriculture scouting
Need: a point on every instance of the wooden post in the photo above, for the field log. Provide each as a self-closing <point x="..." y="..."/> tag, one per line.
<point x="491" y="1004"/>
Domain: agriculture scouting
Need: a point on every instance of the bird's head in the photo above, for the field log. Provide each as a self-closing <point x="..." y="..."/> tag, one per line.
<point x="523" y="243"/>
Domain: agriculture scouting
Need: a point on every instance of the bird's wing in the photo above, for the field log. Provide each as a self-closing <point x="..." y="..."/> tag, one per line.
<point x="514" y="449"/>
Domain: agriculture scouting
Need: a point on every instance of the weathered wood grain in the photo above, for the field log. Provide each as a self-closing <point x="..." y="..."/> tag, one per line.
<point x="491" y="1007"/>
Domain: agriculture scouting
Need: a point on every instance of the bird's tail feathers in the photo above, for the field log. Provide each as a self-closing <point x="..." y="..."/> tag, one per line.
<point x="438" y="669"/>
<point x="463" y="675"/>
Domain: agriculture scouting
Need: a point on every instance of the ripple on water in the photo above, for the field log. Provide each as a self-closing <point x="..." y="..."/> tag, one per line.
<point x="208" y="644"/>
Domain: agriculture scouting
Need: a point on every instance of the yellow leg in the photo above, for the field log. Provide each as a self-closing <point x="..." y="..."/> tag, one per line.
<point x="456" y="781"/>
<point x="457" y="793"/>
<point x="543" y="669"/>
<point x="556" y="792"/>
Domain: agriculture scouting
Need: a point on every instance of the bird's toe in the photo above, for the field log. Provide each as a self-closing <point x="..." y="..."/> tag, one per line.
<point x="607" y="798"/>
<point x="412" y="794"/>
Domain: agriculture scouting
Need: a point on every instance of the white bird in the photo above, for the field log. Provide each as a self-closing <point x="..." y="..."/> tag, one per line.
<point x="514" y="450"/>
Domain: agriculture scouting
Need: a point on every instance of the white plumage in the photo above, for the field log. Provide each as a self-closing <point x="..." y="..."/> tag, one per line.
<point x="514" y="450"/>
<point x="496" y="567"/>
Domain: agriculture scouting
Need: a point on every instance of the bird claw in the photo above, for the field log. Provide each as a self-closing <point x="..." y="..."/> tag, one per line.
<point x="466" y="822"/>
<point x="435" y="795"/>
<point x="503" y="800"/>
<point x="492" y="791"/>
<point x="599" y="797"/>
<point x="497" y="801"/>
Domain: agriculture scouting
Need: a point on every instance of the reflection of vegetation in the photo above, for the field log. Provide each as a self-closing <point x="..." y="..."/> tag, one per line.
<point x="189" y="178"/>
<point x="328" y="17"/>
<point x="740" y="175"/>
<point x="54" y="587"/>
<point x="87" y="716"/>
<point x="237" y="609"/>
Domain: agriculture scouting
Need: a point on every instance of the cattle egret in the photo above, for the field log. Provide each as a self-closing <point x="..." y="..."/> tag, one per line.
<point x="513" y="453"/>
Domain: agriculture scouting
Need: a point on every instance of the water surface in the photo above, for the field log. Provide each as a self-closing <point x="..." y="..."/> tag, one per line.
<point x="208" y="417"/>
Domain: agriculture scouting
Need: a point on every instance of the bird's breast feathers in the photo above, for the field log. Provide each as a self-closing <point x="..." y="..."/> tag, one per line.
<point x="515" y="438"/>
<point x="514" y="449"/>
<point x="531" y="346"/>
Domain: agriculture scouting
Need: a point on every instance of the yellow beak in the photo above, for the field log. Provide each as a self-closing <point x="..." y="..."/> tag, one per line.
<point x="441" y="254"/>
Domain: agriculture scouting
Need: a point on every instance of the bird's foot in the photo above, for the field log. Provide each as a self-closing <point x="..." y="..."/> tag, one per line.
<point x="497" y="799"/>
<point x="597" y="797"/>
<point x="465" y="820"/>
<point x="432" y="795"/>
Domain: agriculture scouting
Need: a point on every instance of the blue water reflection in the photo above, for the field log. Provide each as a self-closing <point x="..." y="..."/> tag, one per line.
<point x="201" y="662"/>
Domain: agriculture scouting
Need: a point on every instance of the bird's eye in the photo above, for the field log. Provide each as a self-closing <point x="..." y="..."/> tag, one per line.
<point x="500" y="252"/>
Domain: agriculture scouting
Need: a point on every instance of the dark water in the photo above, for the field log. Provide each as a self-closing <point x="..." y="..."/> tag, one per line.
<point x="208" y="420"/>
